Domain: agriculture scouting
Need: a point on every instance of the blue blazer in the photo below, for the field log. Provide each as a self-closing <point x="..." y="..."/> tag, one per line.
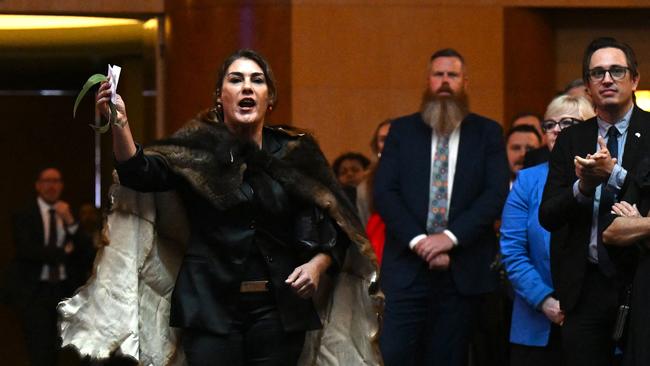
<point x="525" y="253"/>
<point x="401" y="196"/>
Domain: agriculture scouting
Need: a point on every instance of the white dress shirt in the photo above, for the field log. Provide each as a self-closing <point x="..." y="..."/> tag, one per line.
<point x="62" y="231"/>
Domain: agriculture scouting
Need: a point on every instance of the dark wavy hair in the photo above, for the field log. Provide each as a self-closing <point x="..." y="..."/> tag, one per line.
<point x="260" y="61"/>
<point x="524" y="129"/>
<point x="609" y="42"/>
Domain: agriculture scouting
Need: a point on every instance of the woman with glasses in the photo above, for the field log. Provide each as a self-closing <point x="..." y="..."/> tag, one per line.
<point x="536" y="313"/>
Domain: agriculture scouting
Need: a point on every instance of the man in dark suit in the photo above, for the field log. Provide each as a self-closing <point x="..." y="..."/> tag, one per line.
<point x="440" y="185"/>
<point x="590" y="167"/>
<point x="48" y="250"/>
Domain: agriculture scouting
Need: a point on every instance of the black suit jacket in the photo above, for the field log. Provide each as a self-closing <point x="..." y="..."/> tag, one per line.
<point x="537" y="156"/>
<point x="569" y="221"/>
<point x="32" y="254"/>
<point x="637" y="352"/>
<point x="401" y="196"/>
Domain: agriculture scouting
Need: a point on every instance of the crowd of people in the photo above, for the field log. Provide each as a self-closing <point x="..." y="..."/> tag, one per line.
<point x="571" y="229"/>
<point x="527" y="247"/>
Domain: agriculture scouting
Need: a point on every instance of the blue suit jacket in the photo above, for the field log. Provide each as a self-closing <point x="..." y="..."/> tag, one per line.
<point x="401" y="195"/>
<point x="525" y="251"/>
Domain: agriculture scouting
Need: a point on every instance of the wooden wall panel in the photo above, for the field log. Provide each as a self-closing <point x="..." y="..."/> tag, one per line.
<point x="529" y="61"/>
<point x="356" y="65"/>
<point x="201" y="34"/>
<point x="576" y="28"/>
<point x="494" y="3"/>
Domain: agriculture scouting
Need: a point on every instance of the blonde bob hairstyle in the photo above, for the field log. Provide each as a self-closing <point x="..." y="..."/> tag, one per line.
<point x="570" y="105"/>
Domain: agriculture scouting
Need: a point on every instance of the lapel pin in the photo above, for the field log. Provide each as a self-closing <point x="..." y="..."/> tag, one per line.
<point x="637" y="134"/>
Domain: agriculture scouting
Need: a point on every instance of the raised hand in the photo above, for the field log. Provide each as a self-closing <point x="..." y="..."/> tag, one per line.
<point x="594" y="169"/>
<point x="101" y="102"/>
<point x="63" y="210"/>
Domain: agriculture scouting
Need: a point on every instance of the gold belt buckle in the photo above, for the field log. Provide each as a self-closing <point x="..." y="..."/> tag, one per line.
<point x="254" y="286"/>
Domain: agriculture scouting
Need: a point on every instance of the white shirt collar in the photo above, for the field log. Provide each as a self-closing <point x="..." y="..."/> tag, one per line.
<point x="43" y="206"/>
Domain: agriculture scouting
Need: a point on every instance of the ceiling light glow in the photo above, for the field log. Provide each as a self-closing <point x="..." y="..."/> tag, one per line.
<point x="8" y="22"/>
<point x="643" y="99"/>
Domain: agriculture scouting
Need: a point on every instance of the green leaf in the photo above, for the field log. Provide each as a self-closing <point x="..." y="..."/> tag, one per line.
<point x="95" y="79"/>
<point x="101" y="129"/>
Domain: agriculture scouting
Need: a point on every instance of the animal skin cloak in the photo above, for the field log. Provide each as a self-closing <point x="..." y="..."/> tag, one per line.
<point x="124" y="308"/>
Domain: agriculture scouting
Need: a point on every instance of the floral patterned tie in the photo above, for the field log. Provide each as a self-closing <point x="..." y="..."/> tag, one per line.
<point x="437" y="216"/>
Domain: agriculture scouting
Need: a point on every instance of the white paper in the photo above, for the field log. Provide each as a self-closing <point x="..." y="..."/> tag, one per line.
<point x="114" y="76"/>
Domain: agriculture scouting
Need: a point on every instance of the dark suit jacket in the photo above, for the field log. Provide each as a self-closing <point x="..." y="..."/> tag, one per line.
<point x="401" y="196"/>
<point x="221" y="241"/>
<point x="537" y="156"/>
<point x="569" y="221"/>
<point x="32" y="254"/>
<point x="637" y="352"/>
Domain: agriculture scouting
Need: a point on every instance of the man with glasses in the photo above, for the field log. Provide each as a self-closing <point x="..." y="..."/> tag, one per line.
<point x="589" y="167"/>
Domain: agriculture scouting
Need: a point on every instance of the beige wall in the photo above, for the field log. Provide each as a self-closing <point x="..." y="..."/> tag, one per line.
<point x="357" y="62"/>
<point x="356" y="65"/>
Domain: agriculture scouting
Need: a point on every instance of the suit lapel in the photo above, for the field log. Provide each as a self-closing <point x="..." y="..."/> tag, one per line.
<point x="464" y="161"/>
<point x="37" y="223"/>
<point x="586" y="144"/>
<point x="419" y="145"/>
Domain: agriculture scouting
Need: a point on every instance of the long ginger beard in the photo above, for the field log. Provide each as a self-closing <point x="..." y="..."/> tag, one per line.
<point x="443" y="113"/>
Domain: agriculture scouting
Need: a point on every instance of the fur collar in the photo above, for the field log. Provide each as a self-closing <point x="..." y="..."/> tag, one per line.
<point x="213" y="162"/>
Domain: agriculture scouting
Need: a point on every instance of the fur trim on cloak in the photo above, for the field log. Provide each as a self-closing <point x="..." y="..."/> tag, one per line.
<point x="124" y="307"/>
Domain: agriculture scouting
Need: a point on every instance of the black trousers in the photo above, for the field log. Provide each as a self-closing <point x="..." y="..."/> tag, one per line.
<point x="587" y="330"/>
<point x="256" y="338"/>
<point x="427" y="323"/>
<point x="551" y="354"/>
<point x="491" y="334"/>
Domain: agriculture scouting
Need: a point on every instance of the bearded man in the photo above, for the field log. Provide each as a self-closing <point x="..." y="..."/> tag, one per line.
<point x="441" y="183"/>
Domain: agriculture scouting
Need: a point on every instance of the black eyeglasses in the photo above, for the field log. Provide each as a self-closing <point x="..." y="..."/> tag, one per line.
<point x="550" y="124"/>
<point x="616" y="72"/>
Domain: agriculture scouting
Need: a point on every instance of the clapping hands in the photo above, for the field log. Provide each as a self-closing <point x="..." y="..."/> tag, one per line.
<point x="594" y="169"/>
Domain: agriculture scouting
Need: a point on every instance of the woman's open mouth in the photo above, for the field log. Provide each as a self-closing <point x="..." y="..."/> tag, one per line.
<point x="247" y="104"/>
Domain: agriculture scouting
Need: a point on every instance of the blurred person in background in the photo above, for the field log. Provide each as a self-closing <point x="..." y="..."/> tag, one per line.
<point x="49" y="264"/>
<point x="530" y="119"/>
<point x="375" y="227"/>
<point x="519" y="140"/>
<point x="350" y="170"/>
